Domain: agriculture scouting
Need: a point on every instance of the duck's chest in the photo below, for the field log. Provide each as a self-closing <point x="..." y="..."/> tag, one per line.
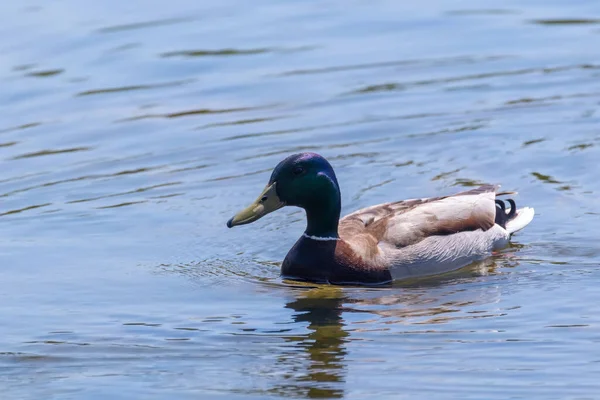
<point x="330" y="261"/>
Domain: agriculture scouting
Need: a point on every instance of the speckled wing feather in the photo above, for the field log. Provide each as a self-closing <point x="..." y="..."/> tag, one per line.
<point x="407" y="222"/>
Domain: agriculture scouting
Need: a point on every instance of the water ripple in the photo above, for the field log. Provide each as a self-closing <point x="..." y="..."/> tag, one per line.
<point x="145" y="24"/>
<point x="131" y="88"/>
<point x="51" y="152"/>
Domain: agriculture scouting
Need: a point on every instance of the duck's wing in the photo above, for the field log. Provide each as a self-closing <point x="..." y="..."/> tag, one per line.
<point x="407" y="222"/>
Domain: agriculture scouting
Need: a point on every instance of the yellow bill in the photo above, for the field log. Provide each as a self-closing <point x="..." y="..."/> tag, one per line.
<point x="266" y="203"/>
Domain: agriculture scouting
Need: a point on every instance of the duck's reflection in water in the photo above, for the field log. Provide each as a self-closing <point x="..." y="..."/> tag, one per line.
<point x="321" y="371"/>
<point x="317" y="366"/>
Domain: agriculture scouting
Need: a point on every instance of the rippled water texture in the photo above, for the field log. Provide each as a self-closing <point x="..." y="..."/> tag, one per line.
<point x="131" y="131"/>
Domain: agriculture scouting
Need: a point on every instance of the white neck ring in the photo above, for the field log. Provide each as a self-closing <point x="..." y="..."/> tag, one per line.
<point x="319" y="238"/>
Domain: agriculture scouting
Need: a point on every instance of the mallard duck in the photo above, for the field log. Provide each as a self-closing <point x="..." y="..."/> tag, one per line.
<point x="386" y="242"/>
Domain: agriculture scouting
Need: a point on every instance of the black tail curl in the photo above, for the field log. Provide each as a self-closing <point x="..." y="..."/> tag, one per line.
<point x="502" y="217"/>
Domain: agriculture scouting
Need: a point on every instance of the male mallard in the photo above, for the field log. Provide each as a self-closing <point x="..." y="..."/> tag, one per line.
<point x="375" y="245"/>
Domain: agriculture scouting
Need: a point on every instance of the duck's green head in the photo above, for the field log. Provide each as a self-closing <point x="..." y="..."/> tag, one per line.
<point x="304" y="180"/>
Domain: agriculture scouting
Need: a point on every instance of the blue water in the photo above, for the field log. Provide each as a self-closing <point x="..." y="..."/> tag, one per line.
<point x="131" y="132"/>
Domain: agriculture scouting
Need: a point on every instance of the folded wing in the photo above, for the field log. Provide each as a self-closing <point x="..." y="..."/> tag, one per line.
<point x="407" y="222"/>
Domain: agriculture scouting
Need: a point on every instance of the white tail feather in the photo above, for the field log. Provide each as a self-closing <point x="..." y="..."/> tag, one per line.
<point x="521" y="220"/>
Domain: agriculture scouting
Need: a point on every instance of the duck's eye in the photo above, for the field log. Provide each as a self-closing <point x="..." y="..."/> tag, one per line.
<point x="298" y="170"/>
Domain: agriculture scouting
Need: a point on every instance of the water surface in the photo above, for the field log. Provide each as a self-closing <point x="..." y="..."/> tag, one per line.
<point x="132" y="131"/>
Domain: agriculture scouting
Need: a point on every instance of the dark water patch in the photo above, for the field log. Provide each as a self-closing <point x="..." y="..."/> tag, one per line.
<point x="137" y="170"/>
<point x="247" y="121"/>
<point x="21" y="127"/>
<point x="43" y="153"/>
<point x="529" y="100"/>
<point x="20" y="210"/>
<point x="394" y="86"/>
<point x="214" y="53"/>
<point x="384" y="87"/>
<point x="349" y="156"/>
<point x="45" y="73"/>
<point x="8" y="144"/>
<point x="21" y="357"/>
<point x="546" y="178"/>
<point x="465" y="182"/>
<point x="145" y="24"/>
<point x="58" y="343"/>
<point x="192" y="168"/>
<point x="132" y="88"/>
<point x="124" y="204"/>
<point x="533" y="141"/>
<point x="465" y="128"/>
<point x="398" y="86"/>
<point x="342" y="68"/>
<point x="480" y="86"/>
<point x="580" y="147"/>
<point x="194" y="112"/>
<point x="52" y="211"/>
<point x="564" y="187"/>
<point x="228" y="52"/>
<point x="166" y="196"/>
<point x="566" y="21"/>
<point x="124" y="47"/>
<point x="404" y="164"/>
<point x="444" y="175"/>
<point x="268" y="133"/>
<point x="203" y="111"/>
<point x="394" y="63"/>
